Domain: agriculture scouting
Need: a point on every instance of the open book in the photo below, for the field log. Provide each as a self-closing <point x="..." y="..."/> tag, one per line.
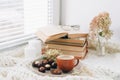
<point x="49" y="33"/>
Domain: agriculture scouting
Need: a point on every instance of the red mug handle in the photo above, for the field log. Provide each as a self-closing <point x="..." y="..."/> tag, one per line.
<point x="77" y="62"/>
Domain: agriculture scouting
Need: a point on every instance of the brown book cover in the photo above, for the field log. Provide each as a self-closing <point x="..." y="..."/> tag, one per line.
<point x="66" y="47"/>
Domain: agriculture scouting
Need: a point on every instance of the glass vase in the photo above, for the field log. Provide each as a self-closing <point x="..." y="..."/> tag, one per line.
<point x="101" y="44"/>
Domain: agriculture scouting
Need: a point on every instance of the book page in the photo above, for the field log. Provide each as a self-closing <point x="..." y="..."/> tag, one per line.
<point x="49" y="32"/>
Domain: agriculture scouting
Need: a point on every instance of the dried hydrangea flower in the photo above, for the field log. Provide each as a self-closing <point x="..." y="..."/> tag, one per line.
<point x="100" y="25"/>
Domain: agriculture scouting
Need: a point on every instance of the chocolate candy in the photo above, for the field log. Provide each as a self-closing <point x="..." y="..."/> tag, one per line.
<point x="47" y="66"/>
<point x="50" y="61"/>
<point x="42" y="69"/>
<point x="45" y="62"/>
<point x="37" y="64"/>
<point x="56" y="71"/>
<point x="54" y="65"/>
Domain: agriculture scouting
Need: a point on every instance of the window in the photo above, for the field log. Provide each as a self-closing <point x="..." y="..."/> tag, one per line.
<point x="20" y="16"/>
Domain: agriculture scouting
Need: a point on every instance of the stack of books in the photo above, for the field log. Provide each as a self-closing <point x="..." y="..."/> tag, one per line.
<point x="70" y="44"/>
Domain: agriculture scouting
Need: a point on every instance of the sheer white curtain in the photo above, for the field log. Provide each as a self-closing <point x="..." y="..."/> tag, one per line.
<point x="20" y="18"/>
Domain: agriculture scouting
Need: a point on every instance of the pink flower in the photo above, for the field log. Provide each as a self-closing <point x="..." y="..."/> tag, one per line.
<point x="101" y="23"/>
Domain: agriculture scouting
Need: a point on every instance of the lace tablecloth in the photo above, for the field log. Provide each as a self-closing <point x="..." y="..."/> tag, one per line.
<point x="14" y="66"/>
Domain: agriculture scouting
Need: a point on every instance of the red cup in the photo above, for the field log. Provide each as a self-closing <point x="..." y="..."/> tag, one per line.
<point x="66" y="62"/>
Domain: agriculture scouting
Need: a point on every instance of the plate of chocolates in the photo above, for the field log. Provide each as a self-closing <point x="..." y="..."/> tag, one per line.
<point x="47" y="67"/>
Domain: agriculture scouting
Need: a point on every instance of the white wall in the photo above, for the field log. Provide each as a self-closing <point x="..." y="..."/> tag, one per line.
<point x="81" y="12"/>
